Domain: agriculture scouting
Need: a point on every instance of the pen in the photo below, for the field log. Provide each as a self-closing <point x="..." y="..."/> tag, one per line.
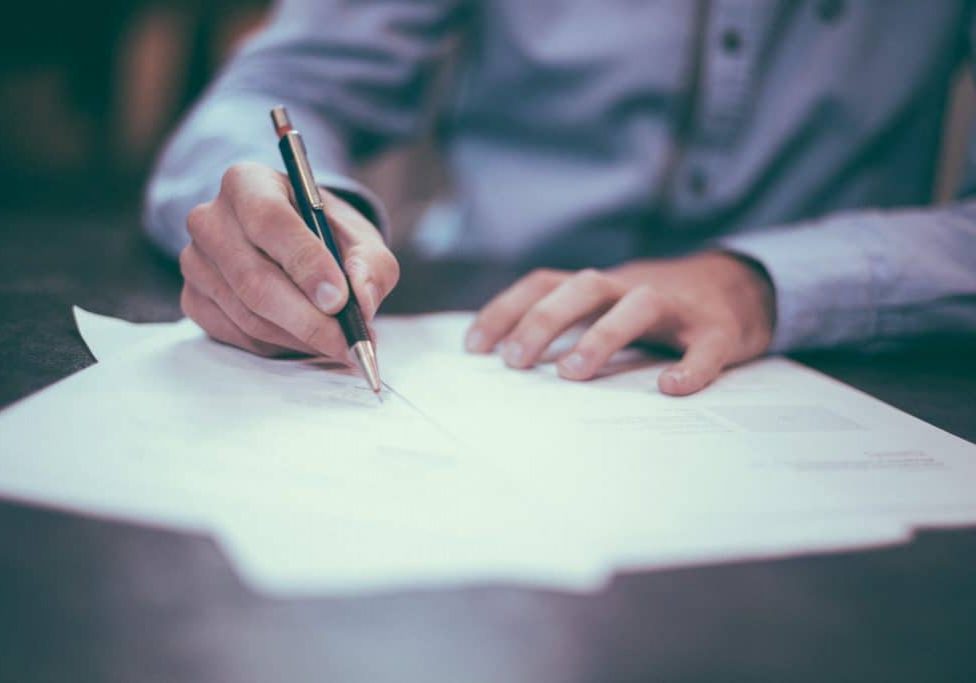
<point x="310" y="205"/>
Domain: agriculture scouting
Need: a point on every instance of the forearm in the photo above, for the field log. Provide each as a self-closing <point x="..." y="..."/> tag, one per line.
<point x="353" y="77"/>
<point x="228" y="128"/>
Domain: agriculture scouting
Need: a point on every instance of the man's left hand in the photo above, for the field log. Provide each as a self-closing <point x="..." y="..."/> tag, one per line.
<point x="715" y="308"/>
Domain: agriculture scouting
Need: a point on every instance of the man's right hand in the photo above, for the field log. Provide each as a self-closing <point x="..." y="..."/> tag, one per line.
<point x="256" y="277"/>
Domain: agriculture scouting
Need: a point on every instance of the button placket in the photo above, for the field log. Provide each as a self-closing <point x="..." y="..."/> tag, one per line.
<point x="734" y="34"/>
<point x="731" y="53"/>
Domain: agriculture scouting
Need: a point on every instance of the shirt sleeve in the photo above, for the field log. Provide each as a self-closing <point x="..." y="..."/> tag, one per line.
<point x="354" y="77"/>
<point x="869" y="276"/>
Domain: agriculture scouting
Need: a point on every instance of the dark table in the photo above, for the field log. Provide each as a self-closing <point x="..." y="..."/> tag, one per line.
<point x="89" y="600"/>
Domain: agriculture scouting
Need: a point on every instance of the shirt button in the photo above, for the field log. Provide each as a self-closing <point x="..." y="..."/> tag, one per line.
<point x="731" y="40"/>
<point x="697" y="182"/>
<point x="829" y="11"/>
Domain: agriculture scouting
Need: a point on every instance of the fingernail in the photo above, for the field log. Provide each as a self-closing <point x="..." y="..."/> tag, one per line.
<point x="513" y="352"/>
<point x="677" y="377"/>
<point x="574" y="363"/>
<point x="474" y="339"/>
<point x="327" y="297"/>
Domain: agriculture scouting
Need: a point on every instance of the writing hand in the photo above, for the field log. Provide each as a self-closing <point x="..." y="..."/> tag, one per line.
<point x="256" y="277"/>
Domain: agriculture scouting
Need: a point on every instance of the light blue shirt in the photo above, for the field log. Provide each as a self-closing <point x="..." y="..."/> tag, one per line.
<point x="585" y="133"/>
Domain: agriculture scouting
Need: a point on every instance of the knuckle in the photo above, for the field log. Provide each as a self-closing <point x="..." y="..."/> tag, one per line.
<point x="198" y="220"/>
<point x="250" y="324"/>
<point x="647" y="297"/>
<point x="252" y="288"/>
<point x="541" y="277"/>
<point x="306" y="260"/>
<point x="235" y="175"/>
<point x="590" y="276"/>
<point x="265" y="220"/>
<point x="542" y="317"/>
<point x="596" y="281"/>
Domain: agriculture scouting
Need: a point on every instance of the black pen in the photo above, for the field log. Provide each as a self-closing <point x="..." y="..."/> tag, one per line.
<point x="310" y="206"/>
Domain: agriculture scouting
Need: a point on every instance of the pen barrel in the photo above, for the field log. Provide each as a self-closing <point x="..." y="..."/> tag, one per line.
<point x="350" y="317"/>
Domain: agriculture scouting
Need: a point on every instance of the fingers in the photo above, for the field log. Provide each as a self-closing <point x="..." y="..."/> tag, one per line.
<point x="703" y="361"/>
<point x="216" y="324"/>
<point x="260" y="202"/>
<point x="502" y="313"/>
<point x="280" y="274"/>
<point x="580" y="295"/>
<point x="202" y="276"/>
<point x="372" y="268"/>
<point x="640" y="311"/>
<point x="261" y="285"/>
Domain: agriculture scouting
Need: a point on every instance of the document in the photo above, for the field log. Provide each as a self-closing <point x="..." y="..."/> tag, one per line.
<point x="305" y="478"/>
<point x="468" y="471"/>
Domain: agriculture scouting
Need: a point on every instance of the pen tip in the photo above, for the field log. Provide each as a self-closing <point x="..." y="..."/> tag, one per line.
<point x="366" y="356"/>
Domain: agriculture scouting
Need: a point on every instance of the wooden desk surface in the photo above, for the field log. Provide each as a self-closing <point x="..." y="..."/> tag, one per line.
<point x="89" y="600"/>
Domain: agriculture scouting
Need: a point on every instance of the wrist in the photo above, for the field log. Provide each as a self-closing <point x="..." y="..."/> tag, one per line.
<point x="751" y="291"/>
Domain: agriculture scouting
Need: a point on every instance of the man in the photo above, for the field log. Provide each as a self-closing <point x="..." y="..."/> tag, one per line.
<point x="734" y="166"/>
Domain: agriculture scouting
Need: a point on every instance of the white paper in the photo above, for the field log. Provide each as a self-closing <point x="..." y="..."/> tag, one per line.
<point x="107" y="337"/>
<point x="470" y="471"/>
<point x="303" y="475"/>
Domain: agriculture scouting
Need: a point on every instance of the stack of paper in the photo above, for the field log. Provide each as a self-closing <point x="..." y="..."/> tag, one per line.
<point x="468" y="471"/>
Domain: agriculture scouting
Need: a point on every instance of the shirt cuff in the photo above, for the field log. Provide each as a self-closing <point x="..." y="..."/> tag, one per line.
<point x="822" y="279"/>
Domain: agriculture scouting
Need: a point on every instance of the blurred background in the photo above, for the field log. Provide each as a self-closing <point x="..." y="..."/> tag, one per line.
<point x="88" y="92"/>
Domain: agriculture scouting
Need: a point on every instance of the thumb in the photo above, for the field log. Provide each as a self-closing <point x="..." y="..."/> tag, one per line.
<point x="259" y="201"/>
